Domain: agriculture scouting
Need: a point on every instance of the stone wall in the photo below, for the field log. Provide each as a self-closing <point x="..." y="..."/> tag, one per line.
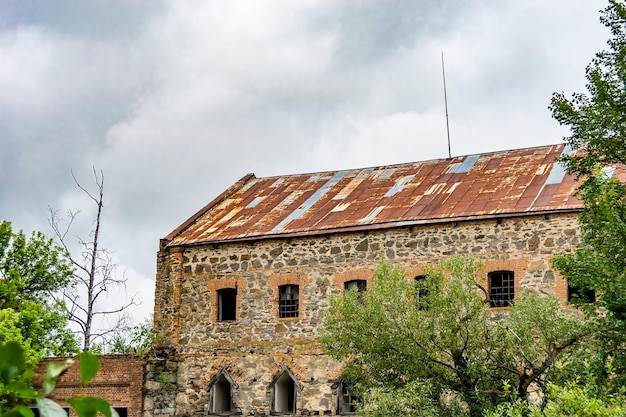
<point x="255" y="348"/>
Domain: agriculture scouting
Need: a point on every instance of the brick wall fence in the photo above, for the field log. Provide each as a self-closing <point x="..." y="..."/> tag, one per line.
<point x="119" y="381"/>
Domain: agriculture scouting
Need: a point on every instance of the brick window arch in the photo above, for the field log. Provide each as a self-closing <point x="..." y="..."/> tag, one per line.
<point x="362" y="277"/>
<point x="225" y="294"/>
<point x="493" y="268"/>
<point x="288" y="295"/>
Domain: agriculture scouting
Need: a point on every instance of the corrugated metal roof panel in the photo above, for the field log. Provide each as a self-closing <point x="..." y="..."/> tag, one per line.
<point x="507" y="183"/>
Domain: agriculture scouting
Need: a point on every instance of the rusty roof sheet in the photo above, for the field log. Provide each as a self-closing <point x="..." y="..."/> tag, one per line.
<point x="496" y="184"/>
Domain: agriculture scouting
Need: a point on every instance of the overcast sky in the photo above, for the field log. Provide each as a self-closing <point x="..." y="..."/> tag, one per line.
<point x="176" y="100"/>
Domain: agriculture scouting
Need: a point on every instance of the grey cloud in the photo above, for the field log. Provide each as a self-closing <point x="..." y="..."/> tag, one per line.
<point x="94" y="19"/>
<point x="177" y="101"/>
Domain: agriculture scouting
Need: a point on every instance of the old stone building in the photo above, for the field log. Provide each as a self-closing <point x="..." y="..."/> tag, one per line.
<point x="243" y="284"/>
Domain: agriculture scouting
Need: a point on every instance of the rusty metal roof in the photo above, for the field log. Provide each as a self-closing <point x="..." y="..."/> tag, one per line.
<point x="497" y="184"/>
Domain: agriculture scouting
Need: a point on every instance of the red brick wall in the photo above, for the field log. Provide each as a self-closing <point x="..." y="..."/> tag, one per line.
<point x="119" y="381"/>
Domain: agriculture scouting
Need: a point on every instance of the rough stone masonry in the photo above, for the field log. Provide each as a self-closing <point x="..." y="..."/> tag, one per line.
<point x="258" y="346"/>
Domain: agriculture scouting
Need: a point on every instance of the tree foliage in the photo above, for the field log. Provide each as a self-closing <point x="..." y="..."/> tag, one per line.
<point x="598" y="119"/>
<point x="570" y="400"/>
<point x="32" y="270"/>
<point x="137" y="338"/>
<point x="445" y="347"/>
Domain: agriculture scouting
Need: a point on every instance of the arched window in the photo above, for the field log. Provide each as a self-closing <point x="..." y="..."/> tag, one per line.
<point x="284" y="392"/>
<point x="227" y="304"/>
<point x="221" y="392"/>
<point x="501" y="288"/>
<point x="288" y="301"/>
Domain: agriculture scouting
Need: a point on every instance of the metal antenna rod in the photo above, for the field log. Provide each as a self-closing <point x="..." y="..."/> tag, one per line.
<point x="445" y="98"/>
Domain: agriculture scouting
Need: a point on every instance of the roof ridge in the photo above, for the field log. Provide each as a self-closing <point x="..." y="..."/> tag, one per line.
<point x="407" y="163"/>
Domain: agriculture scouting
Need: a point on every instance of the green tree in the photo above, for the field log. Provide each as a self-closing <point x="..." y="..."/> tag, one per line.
<point x="571" y="400"/>
<point x="597" y="121"/>
<point x="599" y="264"/>
<point x="32" y="270"/>
<point x="131" y="339"/>
<point x="445" y="354"/>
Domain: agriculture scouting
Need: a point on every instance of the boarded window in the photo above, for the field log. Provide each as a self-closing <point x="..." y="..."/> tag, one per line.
<point x="227" y="304"/>
<point x="501" y="288"/>
<point x="289" y="301"/>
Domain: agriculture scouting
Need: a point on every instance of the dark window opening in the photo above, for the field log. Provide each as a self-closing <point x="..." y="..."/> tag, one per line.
<point x="581" y="295"/>
<point x="221" y="395"/>
<point x="347" y="399"/>
<point x="121" y="411"/>
<point x="288" y="302"/>
<point x="421" y="292"/>
<point x="227" y="304"/>
<point x="359" y="285"/>
<point x="501" y="289"/>
<point x="284" y="400"/>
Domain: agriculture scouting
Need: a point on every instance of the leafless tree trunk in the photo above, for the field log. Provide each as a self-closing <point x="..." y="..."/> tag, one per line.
<point x="94" y="273"/>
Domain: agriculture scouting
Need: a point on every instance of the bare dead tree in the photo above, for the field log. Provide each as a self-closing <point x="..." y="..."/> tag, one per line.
<point x="95" y="273"/>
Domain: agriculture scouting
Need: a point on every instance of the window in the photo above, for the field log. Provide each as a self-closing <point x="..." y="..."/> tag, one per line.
<point x="421" y="292"/>
<point x="347" y="399"/>
<point x="284" y="393"/>
<point x="121" y="411"/>
<point x="227" y="304"/>
<point x="501" y="289"/>
<point x="37" y="413"/>
<point x="288" y="302"/>
<point x="360" y="285"/>
<point x="220" y="393"/>
<point x="581" y="295"/>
